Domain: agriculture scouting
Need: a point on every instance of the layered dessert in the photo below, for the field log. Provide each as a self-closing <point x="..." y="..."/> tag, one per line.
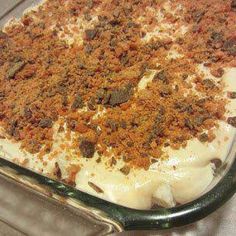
<point x="130" y="101"/>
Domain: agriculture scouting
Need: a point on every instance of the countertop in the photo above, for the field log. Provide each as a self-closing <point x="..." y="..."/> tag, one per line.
<point x="23" y="212"/>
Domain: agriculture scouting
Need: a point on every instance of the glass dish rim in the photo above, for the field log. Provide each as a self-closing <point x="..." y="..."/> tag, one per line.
<point x="131" y="219"/>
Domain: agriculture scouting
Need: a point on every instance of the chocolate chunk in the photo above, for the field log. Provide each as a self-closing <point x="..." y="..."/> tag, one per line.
<point x="125" y="170"/>
<point x="162" y="76"/>
<point x="62" y="89"/>
<point x="46" y="123"/>
<point x="113" y="161"/>
<point x="130" y="144"/>
<point x="132" y="24"/>
<point x="197" y="16"/>
<point x="113" y="42"/>
<point x="153" y="160"/>
<point x="180" y="106"/>
<point x="176" y="88"/>
<point x="87" y="16"/>
<point x="123" y="124"/>
<point x="231" y="95"/>
<point x="2" y="96"/>
<point x="72" y="124"/>
<point x="196" y="28"/>
<point x="184" y="76"/>
<point x="13" y="130"/>
<point x="34" y="146"/>
<point x="217" y="162"/>
<point x="208" y="84"/>
<point x="214" y="58"/>
<point x="189" y="109"/>
<point x="95" y="187"/>
<point x="90" y="73"/>
<point x="61" y="129"/>
<point x="198" y="121"/>
<point x="3" y="35"/>
<point x="188" y="123"/>
<point x="57" y="171"/>
<point x="87" y="148"/>
<point x="114" y="22"/>
<point x="216" y="36"/>
<point x="230" y="47"/>
<point x="14" y="68"/>
<point x="27" y="113"/>
<point x="160" y="114"/>
<point x="203" y="137"/>
<point x="201" y="102"/>
<point x="64" y="101"/>
<point x="92" y="104"/>
<point x="155" y="45"/>
<point x="219" y="170"/>
<point x="128" y="10"/>
<point x="165" y="92"/>
<point x="90" y="4"/>
<point x="157" y="128"/>
<point x="233" y="5"/>
<point x="124" y="59"/>
<point x="88" y="49"/>
<point x="1" y="115"/>
<point x="116" y="13"/>
<point x="127" y="158"/>
<point x="218" y="72"/>
<point x="142" y="70"/>
<point x="78" y="103"/>
<point x="102" y="18"/>
<point x="120" y="96"/>
<point x="113" y="125"/>
<point x="232" y="121"/>
<point x="179" y="41"/>
<point x="100" y="94"/>
<point x="91" y="33"/>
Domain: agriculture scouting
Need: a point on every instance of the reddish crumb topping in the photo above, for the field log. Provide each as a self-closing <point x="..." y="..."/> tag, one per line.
<point x="43" y="78"/>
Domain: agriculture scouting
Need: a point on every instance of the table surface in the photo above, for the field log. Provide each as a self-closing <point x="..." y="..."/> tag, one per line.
<point x="25" y="213"/>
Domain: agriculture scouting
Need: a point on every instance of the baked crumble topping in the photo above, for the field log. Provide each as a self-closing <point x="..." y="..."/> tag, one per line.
<point x="87" y="76"/>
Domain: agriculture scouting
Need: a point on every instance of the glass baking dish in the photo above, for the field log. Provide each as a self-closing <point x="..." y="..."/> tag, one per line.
<point x="117" y="217"/>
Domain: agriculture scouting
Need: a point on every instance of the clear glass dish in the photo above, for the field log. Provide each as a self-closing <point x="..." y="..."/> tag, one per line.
<point x="121" y="218"/>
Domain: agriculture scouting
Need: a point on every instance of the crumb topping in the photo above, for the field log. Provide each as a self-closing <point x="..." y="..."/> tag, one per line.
<point x="87" y="73"/>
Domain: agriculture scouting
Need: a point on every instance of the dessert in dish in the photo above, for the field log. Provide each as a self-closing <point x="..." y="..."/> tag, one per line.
<point x="130" y="101"/>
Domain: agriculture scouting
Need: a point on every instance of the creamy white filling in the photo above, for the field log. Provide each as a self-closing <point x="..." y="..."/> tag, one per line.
<point x="180" y="178"/>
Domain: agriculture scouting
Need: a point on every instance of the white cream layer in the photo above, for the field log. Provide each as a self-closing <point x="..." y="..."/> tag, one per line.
<point x="181" y="178"/>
